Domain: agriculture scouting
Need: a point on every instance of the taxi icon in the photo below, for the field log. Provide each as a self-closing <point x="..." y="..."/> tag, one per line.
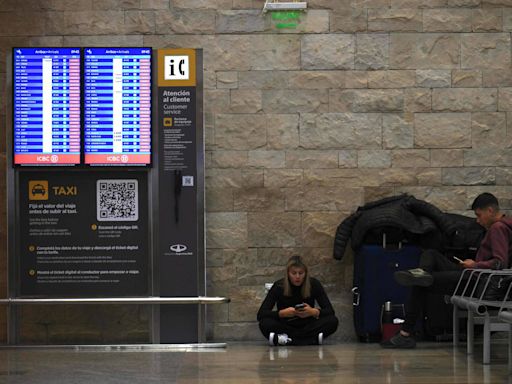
<point x="38" y="189"/>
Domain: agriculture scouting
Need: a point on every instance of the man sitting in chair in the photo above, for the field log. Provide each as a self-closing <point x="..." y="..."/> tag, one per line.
<point x="437" y="273"/>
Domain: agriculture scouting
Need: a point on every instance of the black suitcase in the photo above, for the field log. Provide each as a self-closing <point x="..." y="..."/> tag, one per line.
<point x="374" y="284"/>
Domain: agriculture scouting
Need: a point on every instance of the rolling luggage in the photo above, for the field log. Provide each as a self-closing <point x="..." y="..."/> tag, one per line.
<point x="373" y="284"/>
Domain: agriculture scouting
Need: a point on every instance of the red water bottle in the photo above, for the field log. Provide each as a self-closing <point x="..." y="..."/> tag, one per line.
<point x="388" y="328"/>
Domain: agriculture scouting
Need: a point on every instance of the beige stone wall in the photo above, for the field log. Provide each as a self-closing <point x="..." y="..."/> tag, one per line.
<point x="364" y="99"/>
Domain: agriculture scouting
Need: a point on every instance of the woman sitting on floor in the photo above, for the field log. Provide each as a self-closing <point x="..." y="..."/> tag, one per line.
<point x="296" y="320"/>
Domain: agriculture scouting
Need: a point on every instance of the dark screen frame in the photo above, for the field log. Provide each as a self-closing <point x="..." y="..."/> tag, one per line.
<point x="82" y="163"/>
<point x="151" y="135"/>
<point x="13" y="130"/>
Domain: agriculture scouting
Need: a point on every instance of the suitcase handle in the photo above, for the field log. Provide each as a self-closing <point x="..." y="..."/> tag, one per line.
<point x="355" y="296"/>
<point x="384" y="242"/>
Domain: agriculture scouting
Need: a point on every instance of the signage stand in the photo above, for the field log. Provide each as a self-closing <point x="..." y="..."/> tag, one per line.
<point x="154" y="254"/>
<point x="180" y="239"/>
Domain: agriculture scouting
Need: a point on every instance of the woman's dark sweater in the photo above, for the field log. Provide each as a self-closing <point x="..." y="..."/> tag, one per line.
<point x="276" y="296"/>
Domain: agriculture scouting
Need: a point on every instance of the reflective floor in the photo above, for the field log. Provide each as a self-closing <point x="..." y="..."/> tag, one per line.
<point x="431" y="363"/>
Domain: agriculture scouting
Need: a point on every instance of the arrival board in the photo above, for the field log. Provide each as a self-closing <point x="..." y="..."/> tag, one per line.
<point x="46" y="106"/>
<point x="117" y="106"/>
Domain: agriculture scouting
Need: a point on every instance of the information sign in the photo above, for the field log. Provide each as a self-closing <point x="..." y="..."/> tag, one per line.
<point x="83" y="233"/>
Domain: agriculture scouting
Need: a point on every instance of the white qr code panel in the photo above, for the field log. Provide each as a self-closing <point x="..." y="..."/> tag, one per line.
<point x="187" y="181"/>
<point x="117" y="200"/>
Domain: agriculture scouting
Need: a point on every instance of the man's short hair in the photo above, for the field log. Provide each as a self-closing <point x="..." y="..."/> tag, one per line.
<point x="485" y="200"/>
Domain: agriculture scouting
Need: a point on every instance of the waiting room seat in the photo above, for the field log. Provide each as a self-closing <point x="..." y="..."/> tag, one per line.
<point x="479" y="296"/>
<point x="505" y="315"/>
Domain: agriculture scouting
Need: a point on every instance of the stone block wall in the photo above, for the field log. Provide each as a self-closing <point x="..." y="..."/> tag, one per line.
<point x="363" y="99"/>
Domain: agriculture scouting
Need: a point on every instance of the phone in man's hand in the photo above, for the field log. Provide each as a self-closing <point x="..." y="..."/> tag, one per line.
<point x="300" y="307"/>
<point x="459" y="260"/>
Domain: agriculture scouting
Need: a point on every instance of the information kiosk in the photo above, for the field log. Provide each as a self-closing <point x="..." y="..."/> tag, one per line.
<point x="106" y="183"/>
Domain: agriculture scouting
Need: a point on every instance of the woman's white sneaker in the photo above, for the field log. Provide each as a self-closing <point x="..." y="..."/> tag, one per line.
<point x="271" y="338"/>
<point x="283" y="339"/>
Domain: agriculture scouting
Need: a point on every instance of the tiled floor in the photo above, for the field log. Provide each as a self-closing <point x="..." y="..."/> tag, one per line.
<point x="430" y="363"/>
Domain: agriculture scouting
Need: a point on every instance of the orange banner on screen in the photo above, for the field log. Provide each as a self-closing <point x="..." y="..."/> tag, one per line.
<point x="54" y="159"/>
<point x="117" y="159"/>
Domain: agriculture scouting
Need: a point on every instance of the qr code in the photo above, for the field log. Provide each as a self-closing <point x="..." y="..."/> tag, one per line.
<point x="187" y="181"/>
<point x="117" y="200"/>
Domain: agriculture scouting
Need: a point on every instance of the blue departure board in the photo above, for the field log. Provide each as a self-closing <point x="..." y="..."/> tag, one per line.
<point x="117" y="106"/>
<point x="46" y="106"/>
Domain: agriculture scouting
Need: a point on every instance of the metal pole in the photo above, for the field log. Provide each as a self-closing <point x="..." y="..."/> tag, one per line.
<point x="11" y="182"/>
<point x="120" y="300"/>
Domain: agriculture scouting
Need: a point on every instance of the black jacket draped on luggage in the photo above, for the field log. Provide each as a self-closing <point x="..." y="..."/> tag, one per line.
<point x="405" y="217"/>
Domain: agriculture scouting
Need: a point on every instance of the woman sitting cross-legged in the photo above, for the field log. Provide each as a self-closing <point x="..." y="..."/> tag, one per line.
<point x="296" y="321"/>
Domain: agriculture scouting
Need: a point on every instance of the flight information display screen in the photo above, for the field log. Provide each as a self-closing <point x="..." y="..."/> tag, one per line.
<point x="117" y="106"/>
<point x="46" y="106"/>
